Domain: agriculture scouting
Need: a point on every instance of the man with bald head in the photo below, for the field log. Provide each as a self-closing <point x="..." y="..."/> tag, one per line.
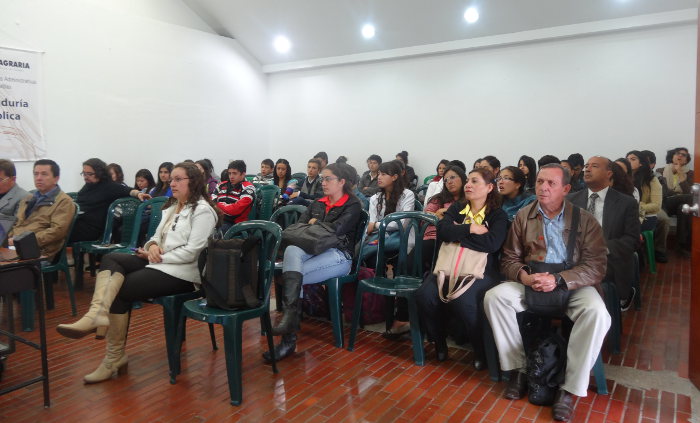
<point x="618" y="214"/>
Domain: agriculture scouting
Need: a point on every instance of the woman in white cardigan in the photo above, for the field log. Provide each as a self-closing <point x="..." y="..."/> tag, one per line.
<point x="167" y="265"/>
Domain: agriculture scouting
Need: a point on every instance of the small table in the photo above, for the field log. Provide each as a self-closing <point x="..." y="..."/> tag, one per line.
<point x="17" y="276"/>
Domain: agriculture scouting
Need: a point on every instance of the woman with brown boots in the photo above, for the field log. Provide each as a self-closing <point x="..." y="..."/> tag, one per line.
<point x="339" y="209"/>
<point x="166" y="265"/>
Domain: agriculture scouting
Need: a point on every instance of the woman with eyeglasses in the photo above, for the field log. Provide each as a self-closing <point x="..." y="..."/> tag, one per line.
<point x="340" y="210"/>
<point x="94" y="199"/>
<point x="480" y="224"/>
<point x="166" y="265"/>
<point x="162" y="188"/>
<point x="511" y="186"/>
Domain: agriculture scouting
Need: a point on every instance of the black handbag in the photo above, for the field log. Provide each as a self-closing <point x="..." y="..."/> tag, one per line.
<point x="555" y="302"/>
<point x="231" y="278"/>
<point x="313" y="238"/>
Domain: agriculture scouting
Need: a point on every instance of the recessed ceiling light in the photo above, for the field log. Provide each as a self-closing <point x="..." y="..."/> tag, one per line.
<point x="471" y="15"/>
<point x="282" y="44"/>
<point x="368" y="31"/>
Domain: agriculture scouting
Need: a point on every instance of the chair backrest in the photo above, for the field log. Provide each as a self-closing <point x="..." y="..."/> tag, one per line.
<point x="360" y="239"/>
<point x="270" y="235"/>
<point x="408" y="222"/>
<point x="61" y="256"/>
<point x="73" y="195"/>
<point x="299" y="176"/>
<point x="156" y="214"/>
<point x="427" y="179"/>
<point x="266" y="198"/>
<point x="417" y="205"/>
<point x="287" y="215"/>
<point x="249" y="178"/>
<point x="128" y="206"/>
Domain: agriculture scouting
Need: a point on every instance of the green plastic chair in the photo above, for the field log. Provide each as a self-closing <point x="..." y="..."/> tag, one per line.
<point x="266" y="198"/>
<point x="427" y="179"/>
<point x="651" y="255"/>
<point x="128" y="206"/>
<point x="417" y="205"/>
<point x="335" y="285"/>
<point x="249" y="178"/>
<point x="156" y="207"/>
<point x="73" y="195"/>
<point x="408" y="275"/>
<point x="299" y="176"/>
<point x="232" y="321"/>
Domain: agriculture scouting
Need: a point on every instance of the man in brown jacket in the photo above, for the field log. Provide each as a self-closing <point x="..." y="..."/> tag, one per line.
<point x="48" y="212"/>
<point x="539" y="234"/>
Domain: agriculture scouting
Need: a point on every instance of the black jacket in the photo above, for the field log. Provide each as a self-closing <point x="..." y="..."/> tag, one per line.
<point x="94" y="200"/>
<point x="344" y="218"/>
<point x="448" y="230"/>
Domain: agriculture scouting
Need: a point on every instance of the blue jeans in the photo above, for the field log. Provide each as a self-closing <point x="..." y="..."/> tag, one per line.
<point x="329" y="264"/>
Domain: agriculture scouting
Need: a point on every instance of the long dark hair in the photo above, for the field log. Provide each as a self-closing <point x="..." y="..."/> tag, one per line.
<point x="621" y="180"/>
<point x="147" y="175"/>
<point x="287" y="176"/>
<point x="199" y="190"/>
<point x="391" y="168"/>
<point x="518" y="177"/>
<point x="531" y="166"/>
<point x="493" y="199"/>
<point x="117" y="171"/>
<point x="162" y="187"/>
<point x="206" y="165"/>
<point x="643" y="175"/>
<point x="445" y="196"/>
<point x="442" y="162"/>
<point x="99" y="167"/>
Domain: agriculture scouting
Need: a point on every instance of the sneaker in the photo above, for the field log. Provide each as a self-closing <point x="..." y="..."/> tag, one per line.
<point x="627" y="303"/>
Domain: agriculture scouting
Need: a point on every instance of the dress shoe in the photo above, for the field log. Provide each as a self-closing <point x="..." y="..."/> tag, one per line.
<point x="517" y="385"/>
<point x="479" y="365"/>
<point x="563" y="407"/>
<point x="441" y="349"/>
<point x="397" y="332"/>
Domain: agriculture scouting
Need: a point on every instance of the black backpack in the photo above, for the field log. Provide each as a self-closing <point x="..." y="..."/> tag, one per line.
<point x="231" y="277"/>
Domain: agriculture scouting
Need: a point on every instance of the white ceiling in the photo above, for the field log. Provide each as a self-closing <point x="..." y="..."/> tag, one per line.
<point x="329" y="28"/>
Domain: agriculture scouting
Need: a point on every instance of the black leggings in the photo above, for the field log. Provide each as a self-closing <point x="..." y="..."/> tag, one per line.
<point x="140" y="283"/>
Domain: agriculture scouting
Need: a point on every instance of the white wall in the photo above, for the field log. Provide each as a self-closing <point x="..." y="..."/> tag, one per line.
<point x="604" y="94"/>
<point x="129" y="89"/>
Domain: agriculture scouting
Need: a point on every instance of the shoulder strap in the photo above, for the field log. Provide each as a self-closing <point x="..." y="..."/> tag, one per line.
<point x="573" y="232"/>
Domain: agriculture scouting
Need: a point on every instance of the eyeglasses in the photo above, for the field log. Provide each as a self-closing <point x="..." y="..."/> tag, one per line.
<point x="328" y="178"/>
<point x="451" y="178"/>
<point x="178" y="179"/>
<point x="5" y="179"/>
<point x="504" y="178"/>
<point x="175" y="222"/>
<point x="88" y="174"/>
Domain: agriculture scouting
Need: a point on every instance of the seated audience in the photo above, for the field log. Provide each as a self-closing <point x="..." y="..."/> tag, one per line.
<point x="162" y="188"/>
<point x="410" y="173"/>
<point x="481" y="225"/>
<point x="234" y="197"/>
<point x="341" y="160"/>
<point x="491" y="164"/>
<point x="575" y="160"/>
<point x="650" y="197"/>
<point x="626" y="167"/>
<point x="310" y="188"/>
<point x="323" y="157"/>
<point x="368" y="181"/>
<point x="48" y="212"/>
<point x="116" y="173"/>
<point x="621" y="180"/>
<point x="618" y="215"/>
<point x="94" y="199"/>
<point x="663" y="222"/>
<point x="206" y="168"/>
<point x="677" y="183"/>
<point x="10" y="195"/>
<point x="511" y="186"/>
<point x="282" y="175"/>
<point x="144" y="181"/>
<point x="547" y="159"/>
<point x="393" y="196"/>
<point x="342" y="210"/>
<point x="436" y="184"/>
<point x="167" y="265"/>
<point x="538" y="234"/>
<point x="266" y="175"/>
<point x="528" y="166"/>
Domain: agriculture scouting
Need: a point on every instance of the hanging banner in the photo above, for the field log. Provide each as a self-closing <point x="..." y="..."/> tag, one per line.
<point x="21" y="135"/>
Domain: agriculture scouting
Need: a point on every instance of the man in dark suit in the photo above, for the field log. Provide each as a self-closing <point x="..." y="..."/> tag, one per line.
<point x="618" y="214"/>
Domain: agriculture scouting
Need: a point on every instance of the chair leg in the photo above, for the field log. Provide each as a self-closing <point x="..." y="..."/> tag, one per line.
<point x="171" y="318"/>
<point x="71" y="291"/>
<point x="356" y="314"/>
<point x="649" y="241"/>
<point x="49" y="279"/>
<point x="177" y="348"/>
<point x="234" y="351"/>
<point x="79" y="264"/>
<point x="26" y="299"/>
<point x="416" y="335"/>
<point x="213" y="337"/>
<point x="335" y="308"/>
<point x="270" y="341"/>
<point x="599" y="374"/>
<point x="93" y="264"/>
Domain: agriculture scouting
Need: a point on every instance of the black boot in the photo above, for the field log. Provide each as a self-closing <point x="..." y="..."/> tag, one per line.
<point x="283" y="349"/>
<point x="290" y="299"/>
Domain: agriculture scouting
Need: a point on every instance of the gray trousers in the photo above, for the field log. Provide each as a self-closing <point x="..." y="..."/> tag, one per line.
<point x="591" y="323"/>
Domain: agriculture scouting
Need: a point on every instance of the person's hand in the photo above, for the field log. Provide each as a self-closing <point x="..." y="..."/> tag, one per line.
<point x="154" y="254"/>
<point x="143" y="196"/>
<point x="440" y="213"/>
<point x="544" y="282"/>
<point x="312" y="221"/>
<point x="477" y="229"/>
<point x="370" y="227"/>
<point x="295" y="194"/>
<point x="141" y="253"/>
<point x="525" y="278"/>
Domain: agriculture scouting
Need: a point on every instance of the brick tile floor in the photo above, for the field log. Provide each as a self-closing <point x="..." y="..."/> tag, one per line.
<point x="378" y="382"/>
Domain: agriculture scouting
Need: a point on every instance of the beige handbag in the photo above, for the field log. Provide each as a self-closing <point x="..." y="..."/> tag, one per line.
<point x="462" y="266"/>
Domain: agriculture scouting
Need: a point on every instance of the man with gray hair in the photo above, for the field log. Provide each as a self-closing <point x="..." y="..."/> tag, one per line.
<point x="10" y="194"/>
<point x="538" y="234"/>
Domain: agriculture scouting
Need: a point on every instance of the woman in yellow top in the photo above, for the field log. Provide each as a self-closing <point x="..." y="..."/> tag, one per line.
<point x="650" y="192"/>
<point x="480" y="224"/>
